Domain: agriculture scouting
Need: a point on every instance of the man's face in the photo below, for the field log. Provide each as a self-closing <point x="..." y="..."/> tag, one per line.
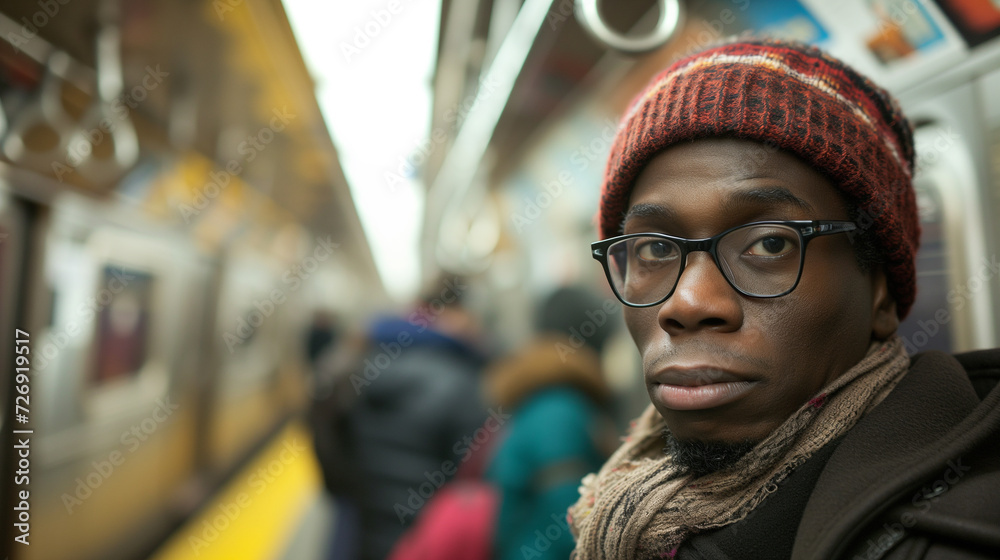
<point x="761" y="358"/>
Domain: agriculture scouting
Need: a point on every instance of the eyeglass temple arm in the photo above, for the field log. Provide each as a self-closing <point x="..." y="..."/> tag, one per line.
<point x="827" y="228"/>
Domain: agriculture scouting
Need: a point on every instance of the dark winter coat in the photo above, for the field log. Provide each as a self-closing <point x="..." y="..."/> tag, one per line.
<point x="419" y="403"/>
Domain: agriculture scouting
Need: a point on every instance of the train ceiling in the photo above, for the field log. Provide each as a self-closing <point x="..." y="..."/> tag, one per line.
<point x="563" y="58"/>
<point x="230" y="67"/>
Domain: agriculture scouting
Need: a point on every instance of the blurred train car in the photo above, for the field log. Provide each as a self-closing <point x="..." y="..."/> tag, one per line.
<point x="170" y="217"/>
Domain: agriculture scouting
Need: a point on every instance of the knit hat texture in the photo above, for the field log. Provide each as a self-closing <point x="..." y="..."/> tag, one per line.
<point x="796" y="98"/>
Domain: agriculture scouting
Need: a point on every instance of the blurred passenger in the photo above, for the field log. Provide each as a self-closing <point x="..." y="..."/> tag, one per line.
<point x="331" y="408"/>
<point x="320" y="336"/>
<point x="417" y="392"/>
<point x="559" y="431"/>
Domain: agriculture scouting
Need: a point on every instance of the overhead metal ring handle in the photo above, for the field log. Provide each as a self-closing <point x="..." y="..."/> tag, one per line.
<point x="45" y="110"/>
<point x="102" y="118"/>
<point x="669" y="21"/>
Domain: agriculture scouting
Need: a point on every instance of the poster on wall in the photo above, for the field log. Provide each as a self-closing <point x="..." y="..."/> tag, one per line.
<point x="786" y="19"/>
<point x="897" y="43"/>
<point x="123" y="324"/>
<point x="976" y="20"/>
<point x="902" y="28"/>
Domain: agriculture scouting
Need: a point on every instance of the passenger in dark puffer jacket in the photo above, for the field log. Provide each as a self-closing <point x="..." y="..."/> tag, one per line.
<point x="399" y="408"/>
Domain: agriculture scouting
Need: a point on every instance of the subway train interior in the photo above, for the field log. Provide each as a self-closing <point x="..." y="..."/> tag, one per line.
<point x="200" y="199"/>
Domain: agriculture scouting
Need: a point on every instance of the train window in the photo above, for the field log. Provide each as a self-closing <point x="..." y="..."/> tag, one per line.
<point x="123" y="326"/>
<point x="4" y="277"/>
<point x="952" y="311"/>
<point x="923" y="330"/>
<point x="5" y="303"/>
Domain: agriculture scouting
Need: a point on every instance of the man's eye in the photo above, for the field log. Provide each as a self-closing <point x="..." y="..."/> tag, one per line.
<point x="770" y="246"/>
<point x="655" y="250"/>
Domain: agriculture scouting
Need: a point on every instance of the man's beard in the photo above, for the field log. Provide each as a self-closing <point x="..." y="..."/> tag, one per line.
<point x="705" y="457"/>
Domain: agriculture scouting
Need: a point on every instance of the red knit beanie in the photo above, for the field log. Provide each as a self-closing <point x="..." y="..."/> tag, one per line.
<point x="796" y="98"/>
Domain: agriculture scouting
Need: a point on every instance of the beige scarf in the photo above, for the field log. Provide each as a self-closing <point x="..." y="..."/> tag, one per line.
<point x="641" y="506"/>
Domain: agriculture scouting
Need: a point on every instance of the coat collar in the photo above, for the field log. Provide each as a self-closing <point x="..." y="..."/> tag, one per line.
<point x="932" y="416"/>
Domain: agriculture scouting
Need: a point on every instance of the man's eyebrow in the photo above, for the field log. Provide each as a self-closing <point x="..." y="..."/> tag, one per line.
<point x="764" y="196"/>
<point x="735" y="201"/>
<point x="646" y="210"/>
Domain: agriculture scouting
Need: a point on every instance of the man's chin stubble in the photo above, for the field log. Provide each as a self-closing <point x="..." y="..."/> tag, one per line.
<point x="705" y="457"/>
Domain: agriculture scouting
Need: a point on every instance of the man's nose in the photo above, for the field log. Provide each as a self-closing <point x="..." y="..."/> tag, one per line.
<point x="703" y="299"/>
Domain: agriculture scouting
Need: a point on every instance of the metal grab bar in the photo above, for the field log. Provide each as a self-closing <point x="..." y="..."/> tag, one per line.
<point x="45" y="111"/>
<point x="668" y="23"/>
<point x="101" y="119"/>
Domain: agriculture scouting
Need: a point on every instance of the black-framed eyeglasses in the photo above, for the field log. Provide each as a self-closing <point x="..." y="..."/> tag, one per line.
<point x="761" y="259"/>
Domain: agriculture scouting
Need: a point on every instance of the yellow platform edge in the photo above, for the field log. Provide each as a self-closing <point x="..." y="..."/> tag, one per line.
<point x="256" y="514"/>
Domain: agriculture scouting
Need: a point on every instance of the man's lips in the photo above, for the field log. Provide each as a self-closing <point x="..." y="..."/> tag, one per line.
<point x="698" y="387"/>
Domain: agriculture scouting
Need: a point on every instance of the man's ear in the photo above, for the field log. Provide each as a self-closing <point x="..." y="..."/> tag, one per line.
<point x="885" y="321"/>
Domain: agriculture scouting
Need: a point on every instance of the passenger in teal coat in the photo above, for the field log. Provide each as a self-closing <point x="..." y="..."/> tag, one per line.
<point x="559" y="432"/>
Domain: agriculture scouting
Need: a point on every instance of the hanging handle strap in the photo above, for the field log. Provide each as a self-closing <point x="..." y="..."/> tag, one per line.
<point x="590" y="17"/>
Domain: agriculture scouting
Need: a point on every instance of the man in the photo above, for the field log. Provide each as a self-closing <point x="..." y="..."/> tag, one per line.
<point x="760" y="225"/>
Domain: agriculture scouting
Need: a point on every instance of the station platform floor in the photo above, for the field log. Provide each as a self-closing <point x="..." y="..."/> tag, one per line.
<point x="274" y="508"/>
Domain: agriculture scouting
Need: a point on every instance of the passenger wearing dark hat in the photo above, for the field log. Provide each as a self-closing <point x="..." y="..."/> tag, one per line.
<point x="758" y="221"/>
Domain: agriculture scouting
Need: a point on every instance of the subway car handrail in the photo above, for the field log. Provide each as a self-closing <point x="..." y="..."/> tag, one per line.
<point x="669" y="21"/>
<point x="110" y="84"/>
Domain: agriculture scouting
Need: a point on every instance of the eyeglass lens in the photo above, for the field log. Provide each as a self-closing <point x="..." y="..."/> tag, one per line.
<point x="759" y="260"/>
